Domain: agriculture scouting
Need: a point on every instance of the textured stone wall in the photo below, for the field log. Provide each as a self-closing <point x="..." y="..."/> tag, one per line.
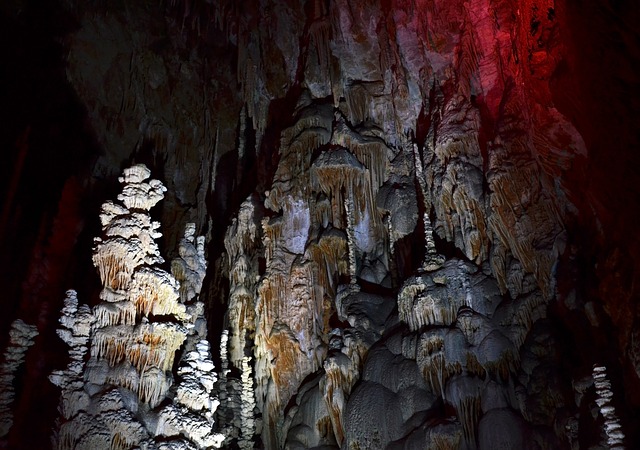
<point x="413" y="233"/>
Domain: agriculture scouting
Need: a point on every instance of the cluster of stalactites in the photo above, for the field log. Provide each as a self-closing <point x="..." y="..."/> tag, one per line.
<point x="100" y="422"/>
<point x="336" y="173"/>
<point x="341" y="373"/>
<point x="418" y="307"/>
<point x="461" y="342"/>
<point x="21" y="337"/>
<point x="142" y="346"/>
<point x="109" y="425"/>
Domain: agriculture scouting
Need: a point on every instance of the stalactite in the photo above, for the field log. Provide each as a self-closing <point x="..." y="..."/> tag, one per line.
<point x="337" y="171"/>
<point x="419" y="310"/>
<point x="110" y="423"/>
<point x="115" y="266"/>
<point x="431" y="359"/>
<point x="341" y="373"/>
<point x="468" y="58"/>
<point x="371" y="151"/>
<point x="504" y="219"/>
<point x="464" y="392"/>
<point x="110" y="314"/>
<point x="451" y="77"/>
<point x="328" y="256"/>
<point x="497" y="355"/>
<point x="446" y="442"/>
<point x="520" y="315"/>
<point x="320" y="35"/>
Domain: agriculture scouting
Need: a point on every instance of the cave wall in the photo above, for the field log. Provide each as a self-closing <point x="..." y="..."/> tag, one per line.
<point x="402" y="200"/>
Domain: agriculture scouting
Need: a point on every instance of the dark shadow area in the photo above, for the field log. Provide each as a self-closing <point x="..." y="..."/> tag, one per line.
<point x="47" y="148"/>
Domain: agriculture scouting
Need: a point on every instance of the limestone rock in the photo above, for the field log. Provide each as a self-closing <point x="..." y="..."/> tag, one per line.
<point x="114" y="400"/>
<point x="21" y="337"/>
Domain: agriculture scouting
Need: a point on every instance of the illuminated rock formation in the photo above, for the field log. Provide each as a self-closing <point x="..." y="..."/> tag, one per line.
<point x="191" y="413"/>
<point x="112" y="400"/>
<point x="76" y="321"/>
<point x="612" y="427"/>
<point x="413" y="235"/>
<point x="21" y="338"/>
<point x="127" y="349"/>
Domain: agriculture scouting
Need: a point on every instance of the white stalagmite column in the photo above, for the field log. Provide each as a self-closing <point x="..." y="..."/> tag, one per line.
<point x="612" y="427"/>
<point x="248" y="427"/>
<point x="114" y="401"/>
<point x="432" y="260"/>
<point x="191" y="413"/>
<point x="351" y="241"/>
<point x="21" y="338"/>
<point x="76" y="324"/>
<point x="190" y="268"/>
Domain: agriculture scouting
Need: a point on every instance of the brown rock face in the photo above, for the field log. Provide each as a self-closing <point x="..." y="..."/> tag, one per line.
<point x="420" y="215"/>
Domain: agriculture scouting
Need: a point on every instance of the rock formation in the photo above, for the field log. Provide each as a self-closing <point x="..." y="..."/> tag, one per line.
<point x="418" y="217"/>
<point x="114" y="399"/>
<point x="21" y="338"/>
<point x="612" y="427"/>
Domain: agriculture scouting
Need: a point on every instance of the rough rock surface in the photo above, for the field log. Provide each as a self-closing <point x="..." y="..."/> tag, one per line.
<point x="419" y="220"/>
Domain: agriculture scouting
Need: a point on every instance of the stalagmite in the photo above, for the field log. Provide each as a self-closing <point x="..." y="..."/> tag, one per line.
<point x="21" y="337"/>
<point x="76" y="321"/>
<point x="432" y="260"/>
<point x="132" y="352"/>
<point x="138" y="194"/>
<point x="190" y="268"/>
<point x="348" y="206"/>
<point x="247" y="415"/>
<point x="612" y="427"/>
<point x="191" y="414"/>
<point x="241" y="241"/>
